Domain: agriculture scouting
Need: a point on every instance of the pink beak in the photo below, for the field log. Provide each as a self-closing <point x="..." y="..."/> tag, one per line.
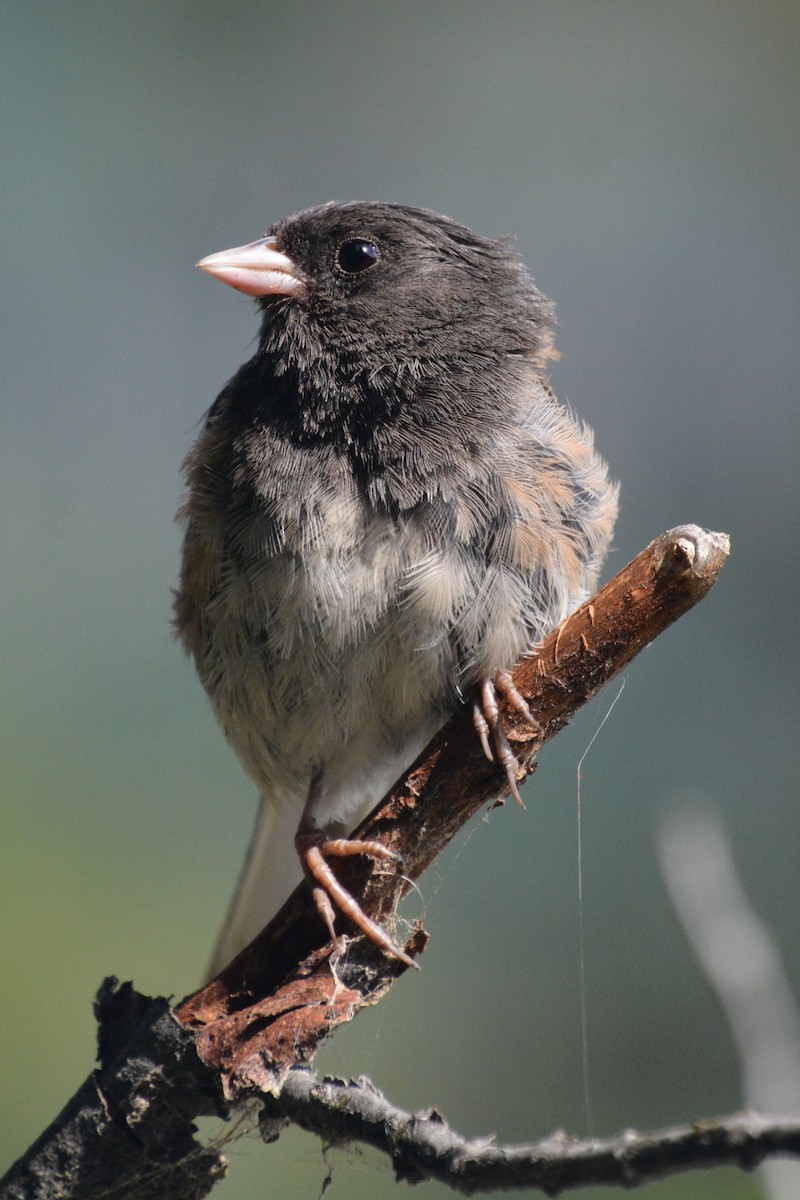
<point x="257" y="270"/>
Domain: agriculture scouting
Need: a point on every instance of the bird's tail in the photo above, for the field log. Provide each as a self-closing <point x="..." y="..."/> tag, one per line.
<point x="271" y="871"/>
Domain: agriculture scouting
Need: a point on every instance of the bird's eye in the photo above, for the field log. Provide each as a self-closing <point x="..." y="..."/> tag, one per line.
<point x="356" y="255"/>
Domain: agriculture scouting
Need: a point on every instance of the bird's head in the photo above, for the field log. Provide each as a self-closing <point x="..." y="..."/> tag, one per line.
<point x="380" y="315"/>
<point x="370" y="282"/>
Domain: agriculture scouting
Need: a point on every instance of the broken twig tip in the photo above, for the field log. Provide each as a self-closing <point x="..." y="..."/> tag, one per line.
<point x="688" y="548"/>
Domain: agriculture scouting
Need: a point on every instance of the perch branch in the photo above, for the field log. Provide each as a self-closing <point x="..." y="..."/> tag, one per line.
<point x="289" y="989"/>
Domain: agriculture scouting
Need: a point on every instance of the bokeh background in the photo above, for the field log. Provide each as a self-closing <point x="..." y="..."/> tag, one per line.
<point x="646" y="156"/>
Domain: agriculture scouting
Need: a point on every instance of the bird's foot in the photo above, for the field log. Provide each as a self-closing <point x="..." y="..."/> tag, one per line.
<point x="314" y="848"/>
<point x="486" y="719"/>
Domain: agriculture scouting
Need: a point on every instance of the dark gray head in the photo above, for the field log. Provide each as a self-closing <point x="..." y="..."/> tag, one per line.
<point x="378" y="313"/>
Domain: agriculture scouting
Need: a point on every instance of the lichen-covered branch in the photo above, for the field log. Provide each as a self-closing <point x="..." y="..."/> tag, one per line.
<point x="423" y="1146"/>
<point x="128" y="1132"/>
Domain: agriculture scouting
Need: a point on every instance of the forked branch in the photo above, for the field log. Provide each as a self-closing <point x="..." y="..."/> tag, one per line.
<point x="129" y="1130"/>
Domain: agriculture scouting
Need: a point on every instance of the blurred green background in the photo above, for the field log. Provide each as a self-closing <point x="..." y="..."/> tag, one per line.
<point x="646" y="155"/>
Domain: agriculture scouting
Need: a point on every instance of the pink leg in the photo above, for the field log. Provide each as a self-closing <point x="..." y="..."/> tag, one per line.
<point x="313" y="848"/>
<point x="486" y="719"/>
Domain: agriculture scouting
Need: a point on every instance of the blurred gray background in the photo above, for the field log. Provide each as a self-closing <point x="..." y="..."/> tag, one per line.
<point x="646" y="156"/>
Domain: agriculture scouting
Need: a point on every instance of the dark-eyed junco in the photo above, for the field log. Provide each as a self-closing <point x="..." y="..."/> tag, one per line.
<point x="386" y="507"/>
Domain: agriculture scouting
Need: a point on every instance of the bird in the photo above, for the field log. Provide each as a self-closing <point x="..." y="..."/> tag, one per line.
<point x="386" y="507"/>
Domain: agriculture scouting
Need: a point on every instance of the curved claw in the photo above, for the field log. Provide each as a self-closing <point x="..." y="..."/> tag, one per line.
<point x="482" y="730"/>
<point x="506" y="686"/>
